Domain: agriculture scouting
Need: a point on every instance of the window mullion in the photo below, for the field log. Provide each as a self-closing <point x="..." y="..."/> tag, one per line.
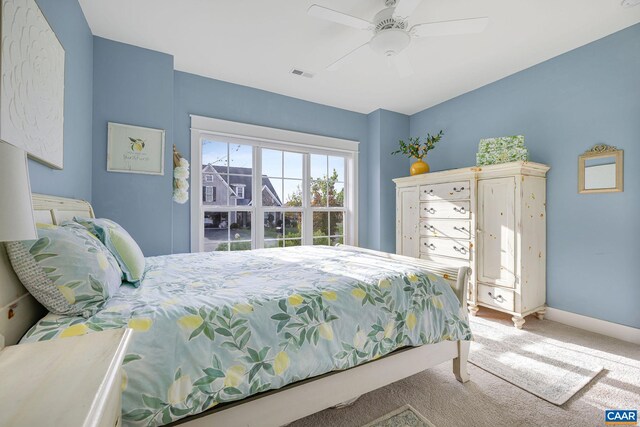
<point x="258" y="220"/>
<point x="347" y="204"/>
<point x="307" y="212"/>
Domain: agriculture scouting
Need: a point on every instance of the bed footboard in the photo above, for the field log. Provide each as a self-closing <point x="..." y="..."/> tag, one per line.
<point x="461" y="289"/>
<point x="460" y="362"/>
<point x="459" y="280"/>
<point x="457" y="277"/>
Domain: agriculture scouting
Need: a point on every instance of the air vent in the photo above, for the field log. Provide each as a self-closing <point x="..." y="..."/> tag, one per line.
<point x="301" y="73"/>
<point x="630" y="3"/>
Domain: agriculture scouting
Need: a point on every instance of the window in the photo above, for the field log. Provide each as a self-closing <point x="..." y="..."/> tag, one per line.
<point x="327" y="199"/>
<point x="302" y="194"/>
<point x="227" y="223"/>
<point x="240" y="191"/>
<point x="208" y="178"/>
<point x="283" y="202"/>
<point x="210" y="194"/>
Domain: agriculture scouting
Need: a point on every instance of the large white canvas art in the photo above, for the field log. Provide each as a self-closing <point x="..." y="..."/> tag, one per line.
<point x="32" y="83"/>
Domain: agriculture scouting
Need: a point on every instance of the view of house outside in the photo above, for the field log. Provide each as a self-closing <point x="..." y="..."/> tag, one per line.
<point x="227" y="187"/>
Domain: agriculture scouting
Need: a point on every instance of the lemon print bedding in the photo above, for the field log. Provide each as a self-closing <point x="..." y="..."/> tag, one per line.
<point x="218" y="327"/>
<point x="121" y="245"/>
<point x="66" y="269"/>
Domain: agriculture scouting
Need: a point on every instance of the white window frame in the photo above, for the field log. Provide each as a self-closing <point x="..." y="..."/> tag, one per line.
<point x="275" y="139"/>
<point x="208" y="178"/>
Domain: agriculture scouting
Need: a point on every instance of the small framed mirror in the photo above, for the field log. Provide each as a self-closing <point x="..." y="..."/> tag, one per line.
<point x="600" y="170"/>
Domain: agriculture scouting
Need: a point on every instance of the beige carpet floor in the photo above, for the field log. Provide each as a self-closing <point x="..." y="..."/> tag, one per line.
<point x="490" y="401"/>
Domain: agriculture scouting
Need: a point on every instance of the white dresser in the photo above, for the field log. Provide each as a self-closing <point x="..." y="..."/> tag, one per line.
<point x="490" y="218"/>
<point x="75" y="381"/>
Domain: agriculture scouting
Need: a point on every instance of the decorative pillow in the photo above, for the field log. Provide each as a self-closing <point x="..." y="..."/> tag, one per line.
<point x="66" y="269"/>
<point x="121" y="245"/>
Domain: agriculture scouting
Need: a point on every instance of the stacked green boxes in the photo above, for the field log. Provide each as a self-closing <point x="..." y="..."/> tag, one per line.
<point x="505" y="149"/>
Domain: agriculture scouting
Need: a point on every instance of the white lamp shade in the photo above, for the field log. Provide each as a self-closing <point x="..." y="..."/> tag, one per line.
<point x="16" y="210"/>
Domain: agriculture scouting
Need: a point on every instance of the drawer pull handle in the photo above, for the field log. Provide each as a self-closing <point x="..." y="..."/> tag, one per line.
<point x="430" y="227"/>
<point x="430" y="246"/>
<point x="429" y="192"/>
<point x="458" y="190"/>
<point x="497" y="298"/>
<point x="461" y="210"/>
<point x="430" y="210"/>
<point x="459" y="228"/>
<point x="460" y="249"/>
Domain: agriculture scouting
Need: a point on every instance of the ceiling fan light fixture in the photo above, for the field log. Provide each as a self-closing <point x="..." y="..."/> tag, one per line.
<point x="390" y="42"/>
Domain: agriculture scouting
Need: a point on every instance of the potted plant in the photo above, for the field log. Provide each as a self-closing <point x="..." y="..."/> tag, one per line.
<point x="418" y="150"/>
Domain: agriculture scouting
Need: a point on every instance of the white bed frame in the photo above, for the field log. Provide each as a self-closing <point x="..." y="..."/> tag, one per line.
<point x="19" y="311"/>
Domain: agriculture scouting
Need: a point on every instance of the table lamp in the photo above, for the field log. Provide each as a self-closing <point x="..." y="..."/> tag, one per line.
<point x="16" y="211"/>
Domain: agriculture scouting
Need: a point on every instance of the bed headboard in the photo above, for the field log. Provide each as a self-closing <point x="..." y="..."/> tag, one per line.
<point x="18" y="309"/>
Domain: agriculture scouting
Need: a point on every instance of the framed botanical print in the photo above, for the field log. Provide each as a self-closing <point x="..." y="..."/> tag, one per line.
<point x="135" y="149"/>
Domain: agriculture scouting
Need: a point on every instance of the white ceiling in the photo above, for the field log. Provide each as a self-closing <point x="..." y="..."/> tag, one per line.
<point x="256" y="42"/>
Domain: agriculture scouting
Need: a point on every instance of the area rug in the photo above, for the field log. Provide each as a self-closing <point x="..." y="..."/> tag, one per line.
<point x="524" y="359"/>
<point x="404" y="416"/>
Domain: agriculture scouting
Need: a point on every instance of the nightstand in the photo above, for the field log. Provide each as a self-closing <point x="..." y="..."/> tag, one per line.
<point x="65" y="382"/>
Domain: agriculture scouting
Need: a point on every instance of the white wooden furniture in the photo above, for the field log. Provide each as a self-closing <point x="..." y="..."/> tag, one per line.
<point x="74" y="381"/>
<point x="19" y="311"/>
<point x="490" y="218"/>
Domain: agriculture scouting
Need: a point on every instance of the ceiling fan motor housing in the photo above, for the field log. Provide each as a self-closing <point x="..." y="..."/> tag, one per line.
<point x="390" y="42"/>
<point x="384" y="20"/>
<point x="391" y="36"/>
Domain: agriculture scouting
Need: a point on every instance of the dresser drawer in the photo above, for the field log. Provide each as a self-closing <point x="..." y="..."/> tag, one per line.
<point x="448" y="261"/>
<point x="449" y="228"/>
<point x="445" y="210"/>
<point x="445" y="191"/>
<point x="496" y="297"/>
<point x="445" y="247"/>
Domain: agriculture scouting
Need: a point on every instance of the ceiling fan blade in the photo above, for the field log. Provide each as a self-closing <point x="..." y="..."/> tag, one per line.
<point x="338" y="17"/>
<point x="403" y="65"/>
<point x="450" y="28"/>
<point x="340" y="62"/>
<point x="404" y="8"/>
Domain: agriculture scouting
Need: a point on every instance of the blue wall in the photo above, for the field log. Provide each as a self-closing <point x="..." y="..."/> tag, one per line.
<point x="564" y="106"/>
<point x="69" y="24"/>
<point x="133" y="86"/>
<point x="385" y="129"/>
<point x="213" y="98"/>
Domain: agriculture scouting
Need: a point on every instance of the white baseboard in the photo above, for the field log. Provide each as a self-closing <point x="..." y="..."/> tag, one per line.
<point x="610" y="329"/>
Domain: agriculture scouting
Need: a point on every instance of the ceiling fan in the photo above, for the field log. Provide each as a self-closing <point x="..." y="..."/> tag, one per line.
<point x="391" y="31"/>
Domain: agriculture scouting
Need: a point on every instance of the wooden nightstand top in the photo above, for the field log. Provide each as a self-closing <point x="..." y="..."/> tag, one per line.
<point x="63" y="382"/>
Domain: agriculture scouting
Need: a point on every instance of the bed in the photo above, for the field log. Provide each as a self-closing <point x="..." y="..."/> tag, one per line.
<point x="262" y="337"/>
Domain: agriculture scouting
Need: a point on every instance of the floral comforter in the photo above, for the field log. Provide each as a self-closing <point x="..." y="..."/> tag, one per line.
<point x="217" y="327"/>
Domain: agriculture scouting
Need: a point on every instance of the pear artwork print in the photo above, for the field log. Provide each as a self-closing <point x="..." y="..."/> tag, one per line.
<point x="134" y="149"/>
